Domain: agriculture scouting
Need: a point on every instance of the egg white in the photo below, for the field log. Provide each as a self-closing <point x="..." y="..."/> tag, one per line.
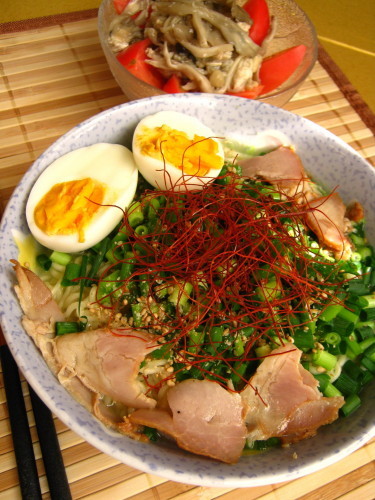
<point x="165" y="175"/>
<point x="110" y="164"/>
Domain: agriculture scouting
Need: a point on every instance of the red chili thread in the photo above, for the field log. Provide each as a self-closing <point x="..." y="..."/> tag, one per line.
<point x="217" y="239"/>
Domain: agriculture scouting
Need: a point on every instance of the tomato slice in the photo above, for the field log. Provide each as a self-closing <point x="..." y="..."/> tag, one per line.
<point x="259" y="13"/>
<point x="133" y="58"/>
<point x="173" y="85"/>
<point x="276" y="69"/>
<point x="120" y="5"/>
<point x="249" y="94"/>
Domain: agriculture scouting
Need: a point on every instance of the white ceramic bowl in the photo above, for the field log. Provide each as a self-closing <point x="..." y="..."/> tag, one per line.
<point x="327" y="158"/>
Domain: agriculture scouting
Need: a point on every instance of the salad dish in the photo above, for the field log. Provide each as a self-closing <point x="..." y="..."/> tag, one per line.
<point x="215" y="311"/>
<point x="250" y="49"/>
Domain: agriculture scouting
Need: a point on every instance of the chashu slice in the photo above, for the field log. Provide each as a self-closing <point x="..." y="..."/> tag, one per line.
<point x="282" y="168"/>
<point x="327" y="221"/>
<point x="90" y="364"/>
<point x="204" y="418"/>
<point x="105" y="362"/>
<point x="35" y="297"/>
<point x="284" y="401"/>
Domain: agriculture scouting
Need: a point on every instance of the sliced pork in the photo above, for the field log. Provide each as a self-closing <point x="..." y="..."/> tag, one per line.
<point x="282" y="168"/>
<point x="286" y="402"/>
<point x="35" y="297"/>
<point x="106" y="363"/>
<point x="94" y="365"/>
<point x="327" y="221"/>
<point x="204" y="418"/>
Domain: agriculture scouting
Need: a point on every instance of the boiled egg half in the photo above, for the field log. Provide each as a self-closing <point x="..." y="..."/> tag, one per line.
<point x="78" y="199"/>
<point x="176" y="151"/>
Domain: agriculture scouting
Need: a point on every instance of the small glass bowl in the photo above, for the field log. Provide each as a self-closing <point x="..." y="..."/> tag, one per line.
<point x="293" y="27"/>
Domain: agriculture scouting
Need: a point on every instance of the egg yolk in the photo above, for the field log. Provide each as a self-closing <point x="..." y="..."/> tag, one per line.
<point x="68" y="207"/>
<point x="195" y="156"/>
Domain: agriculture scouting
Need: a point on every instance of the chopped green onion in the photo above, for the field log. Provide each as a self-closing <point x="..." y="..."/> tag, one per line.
<point x="102" y="248"/>
<point x="238" y="371"/>
<point x="164" y="352"/>
<point x="366" y="377"/>
<point x="64" y="327"/>
<point x="264" y="445"/>
<point x="161" y="290"/>
<point x="239" y="348"/>
<point x="180" y="295"/>
<point x="352" y="369"/>
<point x="72" y="272"/>
<point x="44" y="261"/>
<point x="368" y="364"/>
<point x="61" y="258"/>
<point x="141" y="230"/>
<point x="153" y="208"/>
<point x="135" y="214"/>
<point x="358" y="302"/>
<point x="196" y="339"/>
<point x="348" y="316"/>
<point x="331" y="391"/>
<point x="262" y="351"/>
<point x="364" y="252"/>
<point x="354" y="347"/>
<point x="137" y="313"/>
<point x="330" y="312"/>
<point x="114" y="253"/>
<point x="215" y="339"/>
<point x="346" y="384"/>
<point x="370" y="352"/>
<point x="366" y="276"/>
<point x="324" y="359"/>
<point x="151" y="433"/>
<point x="323" y="379"/>
<point x="306" y="320"/>
<point x="342" y="326"/>
<point x="332" y="338"/>
<point x="370" y="300"/>
<point x="144" y="284"/>
<point x="367" y="342"/>
<point x="303" y="339"/>
<point x="352" y="403"/>
<point x="110" y="284"/>
<point x="365" y="332"/>
<point x="368" y="314"/>
<point x="247" y="331"/>
<point x="127" y="267"/>
<point x="83" y="282"/>
<point x="268" y="291"/>
<point x="357" y="287"/>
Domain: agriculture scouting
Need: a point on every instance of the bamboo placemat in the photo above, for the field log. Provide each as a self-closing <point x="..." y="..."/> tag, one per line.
<point x="53" y="76"/>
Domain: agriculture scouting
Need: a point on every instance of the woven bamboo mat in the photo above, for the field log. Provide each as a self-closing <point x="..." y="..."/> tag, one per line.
<point x="54" y="76"/>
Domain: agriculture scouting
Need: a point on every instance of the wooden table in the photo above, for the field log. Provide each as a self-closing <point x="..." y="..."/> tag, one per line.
<point x="53" y="76"/>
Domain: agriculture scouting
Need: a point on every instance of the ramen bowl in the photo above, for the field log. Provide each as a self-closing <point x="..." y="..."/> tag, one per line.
<point x="293" y="28"/>
<point x="329" y="160"/>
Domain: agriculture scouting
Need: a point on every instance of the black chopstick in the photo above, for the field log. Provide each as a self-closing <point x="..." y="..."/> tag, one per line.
<point x="23" y="446"/>
<point x="49" y="445"/>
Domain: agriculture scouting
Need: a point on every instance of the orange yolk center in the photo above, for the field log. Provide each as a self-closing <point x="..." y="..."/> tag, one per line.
<point x="68" y="207"/>
<point x="195" y="156"/>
